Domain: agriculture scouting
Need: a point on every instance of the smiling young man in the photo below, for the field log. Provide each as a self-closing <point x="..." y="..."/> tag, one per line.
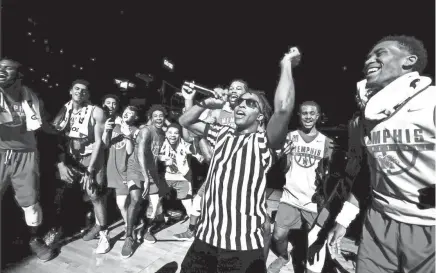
<point x="82" y="125"/>
<point x="174" y="154"/>
<point x="397" y="132"/>
<point x="21" y="114"/>
<point x="142" y="172"/>
<point x="230" y="233"/>
<point x="309" y="147"/>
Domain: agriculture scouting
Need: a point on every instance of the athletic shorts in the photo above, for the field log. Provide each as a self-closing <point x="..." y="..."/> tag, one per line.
<point x="21" y="169"/>
<point x="82" y="164"/>
<point x="138" y="179"/>
<point x="290" y="217"/>
<point x="202" y="257"/>
<point x="153" y="189"/>
<point x="391" y="246"/>
<point x="121" y="191"/>
<point x="182" y="188"/>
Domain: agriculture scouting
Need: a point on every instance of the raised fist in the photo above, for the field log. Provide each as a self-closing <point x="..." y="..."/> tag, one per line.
<point x="293" y="57"/>
<point x="188" y="92"/>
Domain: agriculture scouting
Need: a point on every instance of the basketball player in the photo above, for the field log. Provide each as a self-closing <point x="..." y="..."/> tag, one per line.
<point x="83" y="124"/>
<point x="120" y="140"/>
<point x="174" y="155"/>
<point x="142" y="175"/>
<point x="397" y="132"/>
<point x="230" y="232"/>
<point x="21" y="113"/>
<point x="309" y="147"/>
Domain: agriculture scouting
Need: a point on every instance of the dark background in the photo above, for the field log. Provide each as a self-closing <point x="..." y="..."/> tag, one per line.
<point x="210" y="44"/>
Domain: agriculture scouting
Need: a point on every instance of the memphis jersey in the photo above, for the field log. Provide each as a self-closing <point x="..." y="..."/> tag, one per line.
<point x="300" y="178"/>
<point x="401" y="156"/>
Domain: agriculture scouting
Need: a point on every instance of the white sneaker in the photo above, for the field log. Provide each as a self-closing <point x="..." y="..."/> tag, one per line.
<point x="103" y="244"/>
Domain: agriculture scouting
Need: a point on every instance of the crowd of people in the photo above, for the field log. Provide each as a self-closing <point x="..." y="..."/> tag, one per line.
<point x="239" y="136"/>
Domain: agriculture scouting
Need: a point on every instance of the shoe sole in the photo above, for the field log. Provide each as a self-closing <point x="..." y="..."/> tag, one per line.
<point x="150" y="242"/>
<point x="126" y="257"/>
<point x="183" y="239"/>
<point x="103" y="252"/>
<point x="46" y="260"/>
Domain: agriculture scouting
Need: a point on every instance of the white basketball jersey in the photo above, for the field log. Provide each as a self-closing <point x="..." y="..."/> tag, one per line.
<point x="401" y="156"/>
<point x="300" y="178"/>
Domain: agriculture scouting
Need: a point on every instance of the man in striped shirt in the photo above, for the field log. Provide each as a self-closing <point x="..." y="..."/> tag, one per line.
<point x="230" y="235"/>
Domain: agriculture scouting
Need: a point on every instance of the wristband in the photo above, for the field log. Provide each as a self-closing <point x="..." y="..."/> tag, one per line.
<point x="347" y="214"/>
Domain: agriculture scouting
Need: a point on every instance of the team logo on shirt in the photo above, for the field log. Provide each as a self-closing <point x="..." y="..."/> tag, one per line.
<point x="396" y="151"/>
<point x="306" y="157"/>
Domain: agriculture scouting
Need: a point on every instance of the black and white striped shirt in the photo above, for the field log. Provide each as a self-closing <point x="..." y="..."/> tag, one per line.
<point x="234" y="201"/>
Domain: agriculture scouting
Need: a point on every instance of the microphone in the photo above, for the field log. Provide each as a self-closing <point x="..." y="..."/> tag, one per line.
<point x="200" y="89"/>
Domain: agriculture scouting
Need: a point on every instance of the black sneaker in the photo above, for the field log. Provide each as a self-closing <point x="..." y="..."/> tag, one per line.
<point x="127" y="249"/>
<point x="93" y="233"/>
<point x="42" y="251"/>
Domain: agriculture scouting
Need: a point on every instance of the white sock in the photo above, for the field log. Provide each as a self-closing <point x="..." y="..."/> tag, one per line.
<point x="121" y="202"/>
<point x="187" y="203"/>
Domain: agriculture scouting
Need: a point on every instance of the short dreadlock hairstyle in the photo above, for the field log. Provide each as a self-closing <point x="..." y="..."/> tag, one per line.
<point x="266" y="109"/>
<point x="413" y="46"/>
<point x="156" y="107"/>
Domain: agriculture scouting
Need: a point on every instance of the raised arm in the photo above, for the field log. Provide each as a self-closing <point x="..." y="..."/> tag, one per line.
<point x="190" y="119"/>
<point x="99" y="116"/>
<point x="284" y="101"/>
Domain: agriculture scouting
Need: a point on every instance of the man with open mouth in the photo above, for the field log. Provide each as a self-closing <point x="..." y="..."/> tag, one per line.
<point x="397" y="132"/>
<point x="21" y="114"/>
<point x="143" y="180"/>
<point x="230" y="232"/>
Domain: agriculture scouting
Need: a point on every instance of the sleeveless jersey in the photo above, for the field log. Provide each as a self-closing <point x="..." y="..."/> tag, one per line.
<point x="401" y="156"/>
<point x="172" y="173"/>
<point x="151" y="153"/>
<point x="14" y="135"/>
<point x="117" y="160"/>
<point x="82" y="145"/>
<point x="300" y="178"/>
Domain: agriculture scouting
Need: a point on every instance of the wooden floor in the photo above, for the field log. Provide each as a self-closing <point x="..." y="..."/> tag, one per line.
<point x="165" y="255"/>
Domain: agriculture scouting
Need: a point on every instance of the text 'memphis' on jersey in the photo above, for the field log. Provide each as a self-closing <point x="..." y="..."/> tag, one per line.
<point x="300" y="179"/>
<point x="401" y="156"/>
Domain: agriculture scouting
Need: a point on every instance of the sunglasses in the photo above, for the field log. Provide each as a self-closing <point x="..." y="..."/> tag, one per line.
<point x="249" y="102"/>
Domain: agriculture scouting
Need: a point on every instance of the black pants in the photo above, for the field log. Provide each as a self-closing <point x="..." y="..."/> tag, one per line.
<point x="205" y="258"/>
